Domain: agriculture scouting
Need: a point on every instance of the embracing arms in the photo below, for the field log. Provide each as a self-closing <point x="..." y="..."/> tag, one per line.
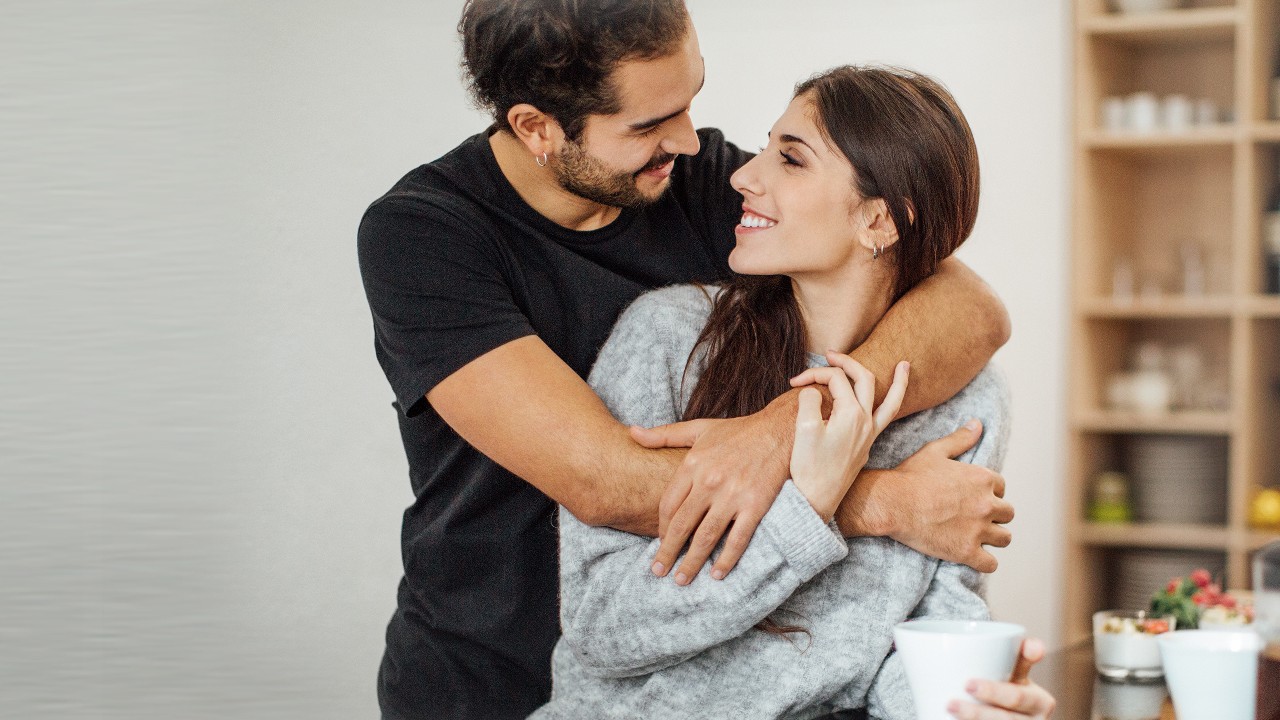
<point x="507" y="402"/>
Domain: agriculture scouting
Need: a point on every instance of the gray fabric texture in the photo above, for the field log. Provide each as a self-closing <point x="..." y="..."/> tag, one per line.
<point x="638" y="646"/>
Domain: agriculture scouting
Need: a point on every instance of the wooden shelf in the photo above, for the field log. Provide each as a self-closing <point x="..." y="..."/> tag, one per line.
<point x="1172" y="307"/>
<point x="1141" y="197"/>
<point x="1267" y="131"/>
<point x="1155" y="535"/>
<point x="1258" y="538"/>
<point x="1221" y="137"/>
<point x="1265" y="306"/>
<point x="1169" y="26"/>
<point x="1181" y="422"/>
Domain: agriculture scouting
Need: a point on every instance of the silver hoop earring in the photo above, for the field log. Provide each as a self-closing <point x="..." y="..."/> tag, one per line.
<point x="876" y="252"/>
<point x="541" y="162"/>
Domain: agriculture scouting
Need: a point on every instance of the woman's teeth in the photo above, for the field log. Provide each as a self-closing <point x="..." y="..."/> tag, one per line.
<point x="755" y="221"/>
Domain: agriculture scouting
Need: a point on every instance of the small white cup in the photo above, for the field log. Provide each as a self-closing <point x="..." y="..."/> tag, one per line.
<point x="1177" y="112"/>
<point x="1143" y="112"/>
<point x="1114" y="111"/>
<point x="1210" y="673"/>
<point x="1206" y="112"/>
<point x="941" y="656"/>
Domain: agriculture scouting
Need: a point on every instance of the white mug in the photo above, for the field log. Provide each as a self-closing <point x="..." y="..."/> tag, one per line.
<point x="1177" y="112"/>
<point x="1144" y="112"/>
<point x="1212" y="674"/>
<point x="942" y="656"/>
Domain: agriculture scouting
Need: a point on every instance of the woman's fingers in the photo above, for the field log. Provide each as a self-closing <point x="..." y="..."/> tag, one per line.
<point x="864" y="383"/>
<point x="888" y="409"/>
<point x="1005" y="700"/>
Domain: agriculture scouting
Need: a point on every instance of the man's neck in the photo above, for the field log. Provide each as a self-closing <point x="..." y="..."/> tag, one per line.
<point x="537" y="186"/>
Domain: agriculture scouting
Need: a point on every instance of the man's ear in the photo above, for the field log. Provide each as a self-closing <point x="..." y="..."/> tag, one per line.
<point x="537" y="130"/>
<point x="881" y="231"/>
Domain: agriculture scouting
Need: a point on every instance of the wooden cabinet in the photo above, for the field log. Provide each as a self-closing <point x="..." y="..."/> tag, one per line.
<point x="1152" y="204"/>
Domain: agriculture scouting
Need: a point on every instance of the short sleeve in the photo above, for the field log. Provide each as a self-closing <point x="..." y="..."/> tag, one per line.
<point x="438" y="293"/>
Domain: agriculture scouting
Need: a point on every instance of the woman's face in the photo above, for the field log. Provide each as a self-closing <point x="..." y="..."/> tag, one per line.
<point x="799" y="211"/>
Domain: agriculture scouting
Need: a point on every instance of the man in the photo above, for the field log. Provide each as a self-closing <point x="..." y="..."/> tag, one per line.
<point x="495" y="273"/>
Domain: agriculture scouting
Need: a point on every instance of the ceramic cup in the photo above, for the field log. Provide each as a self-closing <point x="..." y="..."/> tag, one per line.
<point x="1143" y="112"/>
<point x="941" y="656"/>
<point x="1177" y="112"/>
<point x="1211" y="673"/>
<point x="1114" y="111"/>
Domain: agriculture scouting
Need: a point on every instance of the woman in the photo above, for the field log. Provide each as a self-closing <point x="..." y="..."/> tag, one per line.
<point x="869" y="180"/>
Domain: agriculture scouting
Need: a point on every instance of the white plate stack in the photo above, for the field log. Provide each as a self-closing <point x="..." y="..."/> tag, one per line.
<point x="1178" y="478"/>
<point x="1136" y="575"/>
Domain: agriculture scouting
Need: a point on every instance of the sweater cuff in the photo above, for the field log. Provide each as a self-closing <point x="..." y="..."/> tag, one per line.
<point x="807" y="543"/>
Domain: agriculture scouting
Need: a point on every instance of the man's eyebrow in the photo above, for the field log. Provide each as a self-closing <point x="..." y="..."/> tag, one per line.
<point x="655" y="122"/>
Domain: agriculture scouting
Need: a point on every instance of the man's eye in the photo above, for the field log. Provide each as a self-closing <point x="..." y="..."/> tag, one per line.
<point x="649" y="131"/>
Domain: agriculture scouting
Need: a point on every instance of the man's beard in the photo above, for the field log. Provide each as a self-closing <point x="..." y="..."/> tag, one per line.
<point x="584" y="175"/>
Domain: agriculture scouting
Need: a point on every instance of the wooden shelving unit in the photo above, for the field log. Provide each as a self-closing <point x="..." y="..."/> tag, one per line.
<point x="1143" y="197"/>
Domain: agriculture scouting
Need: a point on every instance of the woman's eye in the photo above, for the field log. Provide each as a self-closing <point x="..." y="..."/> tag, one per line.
<point x="788" y="160"/>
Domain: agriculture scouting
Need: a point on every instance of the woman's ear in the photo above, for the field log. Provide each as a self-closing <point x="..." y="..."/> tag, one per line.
<point x="880" y="232"/>
<point x="539" y="132"/>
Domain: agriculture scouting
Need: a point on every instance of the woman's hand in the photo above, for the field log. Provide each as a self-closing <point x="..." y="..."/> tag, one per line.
<point x="1018" y="698"/>
<point x="827" y="456"/>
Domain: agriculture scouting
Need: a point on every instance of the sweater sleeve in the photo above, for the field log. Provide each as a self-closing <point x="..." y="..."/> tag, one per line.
<point x="955" y="592"/>
<point x="617" y="617"/>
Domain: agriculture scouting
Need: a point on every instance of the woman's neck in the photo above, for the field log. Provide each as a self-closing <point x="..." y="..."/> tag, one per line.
<point x="841" y="311"/>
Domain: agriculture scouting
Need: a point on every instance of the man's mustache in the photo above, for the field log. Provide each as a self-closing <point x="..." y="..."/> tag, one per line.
<point x="657" y="162"/>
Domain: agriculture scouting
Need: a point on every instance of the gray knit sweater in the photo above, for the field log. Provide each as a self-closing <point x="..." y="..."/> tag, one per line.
<point x="638" y="646"/>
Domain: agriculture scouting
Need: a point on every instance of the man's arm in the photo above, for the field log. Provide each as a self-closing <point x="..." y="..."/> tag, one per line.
<point x="948" y="327"/>
<point x="520" y="405"/>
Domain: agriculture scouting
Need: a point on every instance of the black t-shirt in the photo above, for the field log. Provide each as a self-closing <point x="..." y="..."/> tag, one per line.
<point x="455" y="264"/>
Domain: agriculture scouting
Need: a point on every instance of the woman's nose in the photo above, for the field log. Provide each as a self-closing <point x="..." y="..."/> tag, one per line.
<point x="746" y="179"/>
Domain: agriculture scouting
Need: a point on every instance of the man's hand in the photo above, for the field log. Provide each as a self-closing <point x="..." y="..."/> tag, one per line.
<point x="733" y="472"/>
<point x="1018" y="698"/>
<point x="934" y="504"/>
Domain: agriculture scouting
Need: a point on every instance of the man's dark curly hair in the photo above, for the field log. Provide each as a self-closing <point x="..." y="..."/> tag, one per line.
<point x="557" y="55"/>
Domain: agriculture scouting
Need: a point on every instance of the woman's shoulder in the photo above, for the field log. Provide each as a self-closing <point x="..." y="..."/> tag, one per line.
<point x="985" y="398"/>
<point x="679" y="309"/>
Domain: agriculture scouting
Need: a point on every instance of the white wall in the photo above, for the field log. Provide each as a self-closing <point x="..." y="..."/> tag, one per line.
<point x="329" y="102"/>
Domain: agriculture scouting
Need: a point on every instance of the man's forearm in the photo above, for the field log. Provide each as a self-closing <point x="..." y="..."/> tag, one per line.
<point x="637" y="477"/>
<point x="948" y="326"/>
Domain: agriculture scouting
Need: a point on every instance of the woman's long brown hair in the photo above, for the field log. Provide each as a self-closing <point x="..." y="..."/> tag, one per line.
<point x="909" y="145"/>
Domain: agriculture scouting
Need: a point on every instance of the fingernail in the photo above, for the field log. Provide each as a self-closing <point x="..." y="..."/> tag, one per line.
<point x="657" y="569"/>
<point x="906" y="365"/>
<point x="681" y="578"/>
<point x="718" y="574"/>
<point x="971" y="687"/>
<point x="973" y="425"/>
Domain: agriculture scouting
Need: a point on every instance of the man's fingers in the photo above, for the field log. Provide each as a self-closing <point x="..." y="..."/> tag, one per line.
<point x="983" y="562"/>
<point x="997" y="536"/>
<point x="735" y="544"/>
<point x="892" y="403"/>
<point x="710" y="530"/>
<point x="672" y="499"/>
<point x="998" y="489"/>
<point x="675" y="435"/>
<point x="958" y="442"/>
<point x="681" y="527"/>
<point x="1001" y="510"/>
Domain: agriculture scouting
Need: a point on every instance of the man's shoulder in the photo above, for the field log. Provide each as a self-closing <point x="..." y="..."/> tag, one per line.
<point x="431" y="187"/>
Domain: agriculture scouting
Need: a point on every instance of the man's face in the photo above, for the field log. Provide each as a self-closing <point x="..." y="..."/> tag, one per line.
<point x="625" y="159"/>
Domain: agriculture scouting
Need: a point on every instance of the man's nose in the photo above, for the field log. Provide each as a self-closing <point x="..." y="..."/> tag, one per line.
<point x="683" y="139"/>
